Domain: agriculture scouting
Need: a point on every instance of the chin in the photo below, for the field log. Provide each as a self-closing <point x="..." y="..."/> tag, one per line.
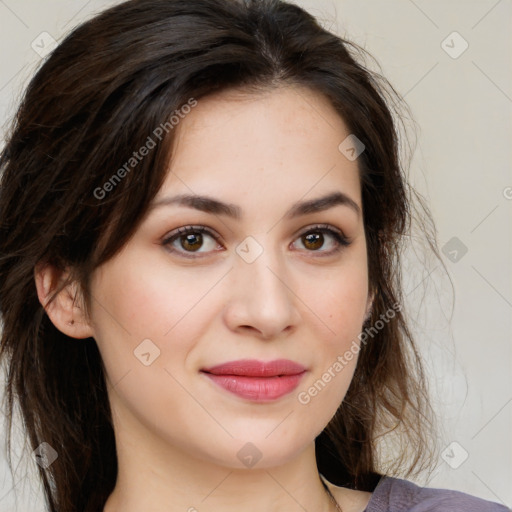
<point x="260" y="452"/>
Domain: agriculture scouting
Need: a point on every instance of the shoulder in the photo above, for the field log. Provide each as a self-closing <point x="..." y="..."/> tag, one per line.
<point x="397" y="495"/>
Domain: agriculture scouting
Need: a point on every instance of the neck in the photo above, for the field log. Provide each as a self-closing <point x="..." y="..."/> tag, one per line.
<point x="163" y="478"/>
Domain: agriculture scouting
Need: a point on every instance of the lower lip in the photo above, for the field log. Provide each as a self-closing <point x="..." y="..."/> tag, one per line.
<point x="257" y="389"/>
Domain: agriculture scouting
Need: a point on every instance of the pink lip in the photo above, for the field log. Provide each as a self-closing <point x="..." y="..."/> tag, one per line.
<point x="257" y="380"/>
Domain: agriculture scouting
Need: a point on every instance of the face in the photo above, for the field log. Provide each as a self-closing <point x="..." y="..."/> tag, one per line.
<point x="201" y="284"/>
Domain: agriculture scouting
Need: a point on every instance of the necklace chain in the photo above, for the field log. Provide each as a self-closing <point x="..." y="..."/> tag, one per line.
<point x="333" y="499"/>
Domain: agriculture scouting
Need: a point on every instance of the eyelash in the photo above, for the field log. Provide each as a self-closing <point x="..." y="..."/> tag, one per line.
<point x="338" y="236"/>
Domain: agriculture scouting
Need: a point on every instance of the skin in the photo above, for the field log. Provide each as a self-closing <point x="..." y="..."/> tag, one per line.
<point x="177" y="433"/>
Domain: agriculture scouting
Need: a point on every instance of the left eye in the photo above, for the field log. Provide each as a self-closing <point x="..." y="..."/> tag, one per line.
<point x="315" y="237"/>
<point x="190" y="239"/>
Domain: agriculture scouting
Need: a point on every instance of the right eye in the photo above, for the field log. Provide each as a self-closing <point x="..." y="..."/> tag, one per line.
<point x="189" y="239"/>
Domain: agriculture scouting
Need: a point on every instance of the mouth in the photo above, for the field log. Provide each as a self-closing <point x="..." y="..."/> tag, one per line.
<point x="255" y="380"/>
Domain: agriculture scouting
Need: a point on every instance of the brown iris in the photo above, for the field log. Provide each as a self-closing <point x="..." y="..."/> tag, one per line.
<point x="193" y="241"/>
<point x="316" y="239"/>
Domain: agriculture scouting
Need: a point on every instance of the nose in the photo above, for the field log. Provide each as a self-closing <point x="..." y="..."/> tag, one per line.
<point x="261" y="297"/>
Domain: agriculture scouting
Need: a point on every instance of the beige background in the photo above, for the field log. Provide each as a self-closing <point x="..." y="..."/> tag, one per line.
<point x="462" y="105"/>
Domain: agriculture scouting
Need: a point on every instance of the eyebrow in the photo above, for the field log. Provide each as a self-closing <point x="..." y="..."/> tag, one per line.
<point x="210" y="205"/>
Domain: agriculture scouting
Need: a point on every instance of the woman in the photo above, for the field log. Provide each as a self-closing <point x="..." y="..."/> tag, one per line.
<point x="202" y="211"/>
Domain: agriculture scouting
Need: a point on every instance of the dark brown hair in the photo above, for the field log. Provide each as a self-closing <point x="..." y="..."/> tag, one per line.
<point x="95" y="100"/>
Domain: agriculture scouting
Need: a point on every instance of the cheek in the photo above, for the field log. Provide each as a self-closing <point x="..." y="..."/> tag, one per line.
<point x="145" y="337"/>
<point x="341" y="302"/>
<point x="341" y="306"/>
<point x="137" y="302"/>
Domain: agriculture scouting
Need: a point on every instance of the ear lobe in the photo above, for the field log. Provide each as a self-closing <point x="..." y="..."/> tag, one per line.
<point x="63" y="311"/>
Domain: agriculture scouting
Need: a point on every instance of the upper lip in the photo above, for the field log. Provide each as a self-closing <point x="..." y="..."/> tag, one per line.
<point x="256" y="368"/>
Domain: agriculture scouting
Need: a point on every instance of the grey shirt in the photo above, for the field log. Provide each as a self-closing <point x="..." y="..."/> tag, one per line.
<point x="397" y="495"/>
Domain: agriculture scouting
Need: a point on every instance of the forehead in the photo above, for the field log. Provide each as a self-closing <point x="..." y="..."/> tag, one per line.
<point x="277" y="142"/>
